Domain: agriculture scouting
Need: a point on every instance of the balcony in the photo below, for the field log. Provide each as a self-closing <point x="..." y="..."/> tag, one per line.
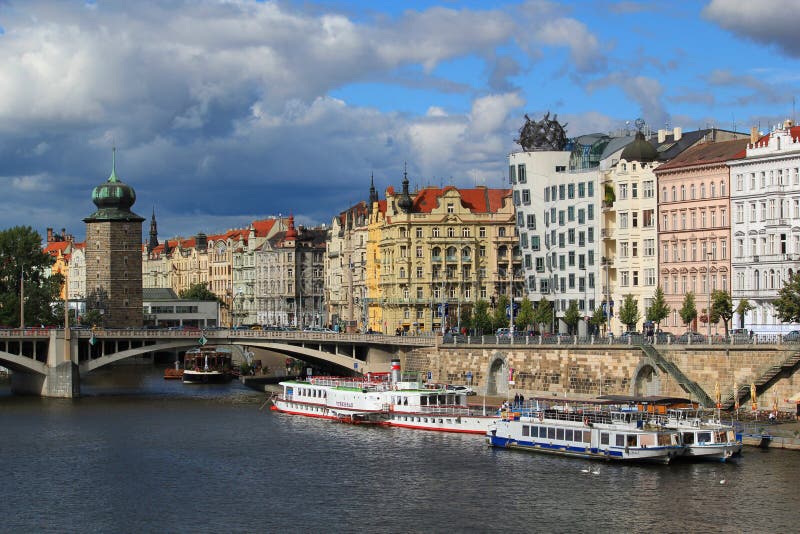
<point x="436" y="258"/>
<point x="451" y="258"/>
<point x="607" y="233"/>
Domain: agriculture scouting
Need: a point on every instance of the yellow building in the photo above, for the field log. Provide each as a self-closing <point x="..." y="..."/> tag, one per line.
<point x="433" y="254"/>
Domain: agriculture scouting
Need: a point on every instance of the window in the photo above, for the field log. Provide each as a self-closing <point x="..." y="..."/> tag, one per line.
<point x="623" y="220"/>
<point x="581" y="216"/>
<point x="535" y="242"/>
<point x="526" y="196"/>
<point x="590" y="212"/>
<point x="571" y="191"/>
<point x="634" y="219"/>
<point x="539" y="265"/>
<point x="561" y="192"/>
<point x="649" y="247"/>
<point x="482" y="231"/>
<point x="512" y="174"/>
<point x="419" y="232"/>
<point x="581" y="190"/>
<point x="451" y="232"/>
<point x="571" y="213"/>
<point x="531" y="221"/>
<point x="435" y="231"/>
<point x="647" y="189"/>
<point x="623" y="191"/>
<point x="683" y="192"/>
<point x="650" y="277"/>
<point x="634" y="190"/>
<point x="419" y="272"/>
<point x="419" y="252"/>
<point x="625" y="279"/>
<point x="648" y="218"/>
<point x="451" y="207"/>
<point x="590" y="189"/>
<point x="465" y="232"/>
<point x="521" y="173"/>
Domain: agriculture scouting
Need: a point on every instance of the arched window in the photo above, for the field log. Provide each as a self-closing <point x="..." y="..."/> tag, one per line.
<point x="502" y="251"/>
<point x="683" y="192"/>
<point x="436" y="253"/>
<point x="466" y="252"/>
<point x="451" y="232"/>
<point x="722" y="191"/>
<point x="702" y="190"/>
<point x="713" y="190"/>
<point x="693" y="192"/>
<point x="772" y="278"/>
<point x="664" y="194"/>
<point x="756" y="280"/>
<point x="501" y="232"/>
<point x="402" y="272"/>
<point x="674" y="194"/>
<point x="451" y="252"/>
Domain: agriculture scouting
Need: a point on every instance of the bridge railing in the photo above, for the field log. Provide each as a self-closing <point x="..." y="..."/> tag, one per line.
<point x="696" y="340"/>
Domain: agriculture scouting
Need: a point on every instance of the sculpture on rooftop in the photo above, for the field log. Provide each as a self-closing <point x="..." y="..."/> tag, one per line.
<point x="546" y="134"/>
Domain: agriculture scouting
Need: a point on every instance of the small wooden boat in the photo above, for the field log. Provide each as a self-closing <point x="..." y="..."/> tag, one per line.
<point x="173" y="374"/>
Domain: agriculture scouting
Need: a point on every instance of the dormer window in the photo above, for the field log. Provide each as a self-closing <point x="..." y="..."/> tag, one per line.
<point x="450" y="207"/>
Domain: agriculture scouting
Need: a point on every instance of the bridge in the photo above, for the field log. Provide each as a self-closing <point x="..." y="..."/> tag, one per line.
<point x="50" y="362"/>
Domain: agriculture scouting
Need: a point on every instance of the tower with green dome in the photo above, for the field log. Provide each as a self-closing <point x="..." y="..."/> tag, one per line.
<point x="114" y="255"/>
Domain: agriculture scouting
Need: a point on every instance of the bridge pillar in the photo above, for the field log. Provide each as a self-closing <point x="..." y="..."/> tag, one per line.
<point x="62" y="377"/>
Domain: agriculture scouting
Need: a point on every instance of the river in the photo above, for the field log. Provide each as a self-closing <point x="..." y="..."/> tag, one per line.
<point x="137" y="453"/>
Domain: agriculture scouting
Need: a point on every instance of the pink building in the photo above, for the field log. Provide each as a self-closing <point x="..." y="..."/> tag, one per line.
<point x="695" y="229"/>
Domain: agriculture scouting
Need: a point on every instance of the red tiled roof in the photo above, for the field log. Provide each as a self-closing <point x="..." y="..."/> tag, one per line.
<point x="478" y="200"/>
<point x="264" y="227"/>
<point x="54" y="247"/>
<point x="706" y="154"/>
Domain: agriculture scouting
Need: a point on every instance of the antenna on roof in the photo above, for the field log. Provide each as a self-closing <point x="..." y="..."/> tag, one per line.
<point x="793" y="119"/>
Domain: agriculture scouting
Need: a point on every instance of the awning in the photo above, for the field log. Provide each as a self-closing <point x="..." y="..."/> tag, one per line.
<point x="794" y="398"/>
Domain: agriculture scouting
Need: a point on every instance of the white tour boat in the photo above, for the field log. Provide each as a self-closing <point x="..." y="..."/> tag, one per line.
<point x="705" y="437"/>
<point x="383" y="398"/>
<point x="585" y="429"/>
<point x="207" y="365"/>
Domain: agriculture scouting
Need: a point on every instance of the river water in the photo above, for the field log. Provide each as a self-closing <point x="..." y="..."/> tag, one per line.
<point x="140" y="454"/>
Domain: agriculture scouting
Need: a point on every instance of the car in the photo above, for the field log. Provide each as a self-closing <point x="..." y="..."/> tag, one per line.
<point x="461" y="389"/>
<point x="793" y="336"/>
<point x="691" y="337"/>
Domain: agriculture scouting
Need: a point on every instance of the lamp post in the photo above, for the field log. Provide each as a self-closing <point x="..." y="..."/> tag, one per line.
<point x="708" y="291"/>
<point x="22" y="297"/>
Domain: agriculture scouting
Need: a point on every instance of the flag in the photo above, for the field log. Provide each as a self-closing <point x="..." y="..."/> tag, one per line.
<point x="753" y="397"/>
<point x="92" y="340"/>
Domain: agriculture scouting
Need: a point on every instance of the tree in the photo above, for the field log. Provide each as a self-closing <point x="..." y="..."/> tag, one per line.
<point x="598" y="319"/>
<point x="629" y="314"/>
<point x="22" y="261"/>
<point x="525" y="316"/>
<point x="481" y="321"/>
<point x="543" y="313"/>
<point x="572" y="316"/>
<point x="688" y="311"/>
<point x="466" y="317"/>
<point x="199" y="291"/>
<point x="92" y="318"/>
<point x="788" y="302"/>
<point x="721" y="307"/>
<point x="659" y="309"/>
<point x="742" y="308"/>
<point x="500" y="316"/>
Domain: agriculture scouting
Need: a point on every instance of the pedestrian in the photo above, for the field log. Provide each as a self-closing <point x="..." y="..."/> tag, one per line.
<point x="521" y="399"/>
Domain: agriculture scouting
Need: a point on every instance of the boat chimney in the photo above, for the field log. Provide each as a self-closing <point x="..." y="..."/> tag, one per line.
<point x="395" y="371"/>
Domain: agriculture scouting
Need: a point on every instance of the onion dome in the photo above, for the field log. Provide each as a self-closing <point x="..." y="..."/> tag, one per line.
<point x="639" y="150"/>
<point x="113" y="199"/>
<point x="404" y="202"/>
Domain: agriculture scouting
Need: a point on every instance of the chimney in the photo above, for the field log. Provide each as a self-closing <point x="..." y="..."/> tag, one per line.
<point x="753" y="134"/>
<point x="662" y="136"/>
<point x="677" y="133"/>
<point x="63" y="234"/>
<point x="49" y="235"/>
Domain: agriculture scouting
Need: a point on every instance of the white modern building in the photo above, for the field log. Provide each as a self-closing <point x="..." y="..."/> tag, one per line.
<point x="765" y="203"/>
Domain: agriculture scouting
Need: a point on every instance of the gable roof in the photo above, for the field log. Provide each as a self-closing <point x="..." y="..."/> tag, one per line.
<point x="706" y="154"/>
<point x="477" y="200"/>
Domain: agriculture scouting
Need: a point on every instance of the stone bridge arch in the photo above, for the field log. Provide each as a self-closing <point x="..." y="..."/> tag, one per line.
<point x="22" y="364"/>
<point x="646" y="379"/>
<point x="304" y="353"/>
<point x="497" y="375"/>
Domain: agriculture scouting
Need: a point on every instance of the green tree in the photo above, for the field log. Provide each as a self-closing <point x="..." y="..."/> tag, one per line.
<point x="199" y="291"/>
<point x="499" y="317"/>
<point x="543" y="313"/>
<point x="688" y="311"/>
<point x="629" y="313"/>
<point x="788" y="302"/>
<point x="659" y="309"/>
<point x="481" y="320"/>
<point x="572" y="316"/>
<point x="22" y="261"/>
<point x="721" y="307"/>
<point x="466" y="317"/>
<point x="92" y="318"/>
<point x="525" y="315"/>
<point x="742" y="308"/>
<point x="598" y="318"/>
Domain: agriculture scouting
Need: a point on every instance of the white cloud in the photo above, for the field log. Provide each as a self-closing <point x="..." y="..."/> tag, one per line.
<point x="774" y="24"/>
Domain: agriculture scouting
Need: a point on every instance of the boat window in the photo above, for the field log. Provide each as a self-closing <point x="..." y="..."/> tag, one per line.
<point x="620" y="441"/>
<point x="560" y="434"/>
<point x="688" y="438"/>
<point x="604" y="438"/>
<point x="631" y="441"/>
<point x="526" y="430"/>
<point x="587" y="436"/>
<point x="720" y="437"/>
<point x="704" y="437"/>
<point x="551" y="433"/>
<point x="647" y="440"/>
<point x="423" y="400"/>
<point x="568" y="435"/>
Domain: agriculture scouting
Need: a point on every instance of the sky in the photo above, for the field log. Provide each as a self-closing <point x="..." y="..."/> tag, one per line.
<point x="224" y="112"/>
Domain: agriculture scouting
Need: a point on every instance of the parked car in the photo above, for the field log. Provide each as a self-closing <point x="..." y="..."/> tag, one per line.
<point x="794" y="336"/>
<point x="461" y="389"/>
<point x="695" y="337"/>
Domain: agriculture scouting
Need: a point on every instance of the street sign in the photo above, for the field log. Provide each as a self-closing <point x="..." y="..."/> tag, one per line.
<point x="202" y="340"/>
<point x="355" y="365"/>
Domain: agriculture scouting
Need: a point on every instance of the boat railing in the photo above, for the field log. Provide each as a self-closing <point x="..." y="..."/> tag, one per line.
<point x="452" y="410"/>
<point x="588" y="415"/>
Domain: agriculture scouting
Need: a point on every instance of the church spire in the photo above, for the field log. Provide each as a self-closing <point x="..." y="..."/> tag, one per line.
<point x="153" y="243"/>
<point x="373" y="194"/>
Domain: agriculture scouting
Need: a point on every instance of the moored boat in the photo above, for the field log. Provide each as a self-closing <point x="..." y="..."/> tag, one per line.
<point x="207" y="365"/>
<point x="585" y="429"/>
<point x="396" y="399"/>
<point x="705" y="437"/>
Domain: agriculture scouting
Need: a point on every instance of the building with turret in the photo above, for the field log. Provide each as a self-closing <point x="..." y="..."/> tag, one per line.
<point x="113" y="254"/>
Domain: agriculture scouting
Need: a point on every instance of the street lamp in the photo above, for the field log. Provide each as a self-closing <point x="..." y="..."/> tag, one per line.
<point x="708" y="290"/>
